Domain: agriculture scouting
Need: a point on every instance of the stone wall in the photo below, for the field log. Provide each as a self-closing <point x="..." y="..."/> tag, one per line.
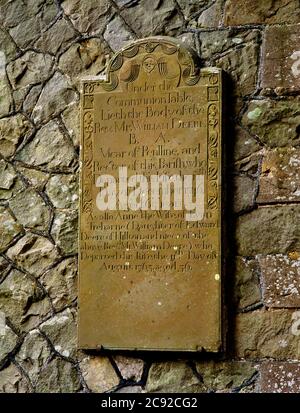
<point x="46" y="46"/>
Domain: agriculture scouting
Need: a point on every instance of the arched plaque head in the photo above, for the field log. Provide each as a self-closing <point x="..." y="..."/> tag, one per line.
<point x="152" y="59"/>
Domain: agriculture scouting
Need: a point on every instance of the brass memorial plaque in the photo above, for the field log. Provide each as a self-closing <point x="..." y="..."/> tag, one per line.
<point x="150" y="214"/>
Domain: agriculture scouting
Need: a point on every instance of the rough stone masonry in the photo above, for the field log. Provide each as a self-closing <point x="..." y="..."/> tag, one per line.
<point x="46" y="47"/>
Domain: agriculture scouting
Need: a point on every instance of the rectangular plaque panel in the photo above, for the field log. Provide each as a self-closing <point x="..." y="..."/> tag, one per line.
<point x="150" y="214"/>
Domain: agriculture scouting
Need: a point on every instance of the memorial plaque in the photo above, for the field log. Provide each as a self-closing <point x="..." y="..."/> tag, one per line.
<point x="150" y="214"/>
